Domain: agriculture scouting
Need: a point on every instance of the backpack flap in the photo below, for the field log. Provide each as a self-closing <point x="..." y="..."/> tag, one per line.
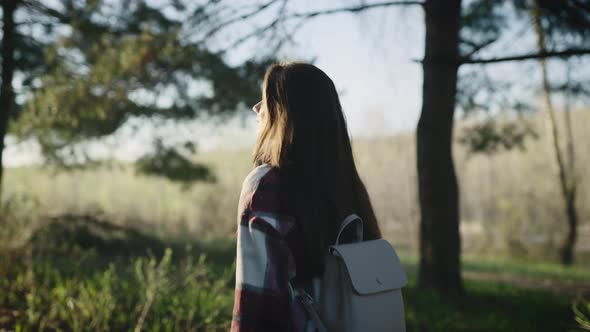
<point x="373" y="266"/>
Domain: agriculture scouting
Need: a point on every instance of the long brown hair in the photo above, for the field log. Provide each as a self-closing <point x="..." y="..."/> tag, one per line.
<point x="304" y="135"/>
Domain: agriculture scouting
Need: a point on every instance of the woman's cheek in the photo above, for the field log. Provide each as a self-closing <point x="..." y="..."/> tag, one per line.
<point x="258" y="124"/>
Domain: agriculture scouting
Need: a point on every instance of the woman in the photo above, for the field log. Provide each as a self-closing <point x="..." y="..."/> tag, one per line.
<point x="304" y="183"/>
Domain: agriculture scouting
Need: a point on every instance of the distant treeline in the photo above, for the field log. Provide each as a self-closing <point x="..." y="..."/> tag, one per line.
<point x="510" y="203"/>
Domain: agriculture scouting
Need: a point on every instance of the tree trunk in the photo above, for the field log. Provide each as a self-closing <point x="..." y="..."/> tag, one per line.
<point x="566" y="251"/>
<point x="440" y="244"/>
<point x="566" y="176"/>
<point x="568" y="245"/>
<point x="6" y="90"/>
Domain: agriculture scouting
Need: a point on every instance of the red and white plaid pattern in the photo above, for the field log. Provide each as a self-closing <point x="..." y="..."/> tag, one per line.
<point x="265" y="262"/>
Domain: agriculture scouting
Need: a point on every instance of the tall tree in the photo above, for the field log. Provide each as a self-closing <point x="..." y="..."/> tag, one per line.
<point x="440" y="243"/>
<point x="565" y="165"/>
<point x="103" y="63"/>
<point x="6" y="89"/>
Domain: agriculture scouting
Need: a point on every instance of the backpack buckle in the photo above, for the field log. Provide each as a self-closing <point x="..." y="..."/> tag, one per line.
<point x="310" y="306"/>
<point x="303" y="296"/>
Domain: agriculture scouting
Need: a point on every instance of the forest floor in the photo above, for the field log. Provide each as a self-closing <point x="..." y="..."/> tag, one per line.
<point x="559" y="286"/>
<point x="82" y="274"/>
<point x="533" y="275"/>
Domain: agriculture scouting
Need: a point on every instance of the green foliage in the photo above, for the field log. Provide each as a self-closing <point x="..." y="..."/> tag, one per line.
<point x="581" y="309"/>
<point x="174" y="165"/>
<point x="198" y="303"/>
<point x="188" y="294"/>
<point x="147" y="293"/>
<point x="488" y="307"/>
<point x="482" y="22"/>
<point x="564" y="23"/>
<point x="491" y="136"/>
<point x="537" y="272"/>
<point x="106" y="62"/>
<point x="89" y="275"/>
<point x="18" y="214"/>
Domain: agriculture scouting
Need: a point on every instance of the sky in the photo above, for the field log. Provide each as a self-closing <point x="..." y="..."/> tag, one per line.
<point x="369" y="56"/>
<point x="370" y="59"/>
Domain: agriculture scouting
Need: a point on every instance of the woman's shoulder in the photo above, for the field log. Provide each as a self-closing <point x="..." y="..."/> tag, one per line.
<point x="261" y="183"/>
<point x="260" y="178"/>
<point x="260" y="174"/>
<point x="261" y="197"/>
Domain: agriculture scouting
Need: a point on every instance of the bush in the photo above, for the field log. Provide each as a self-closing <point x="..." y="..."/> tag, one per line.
<point x="145" y="294"/>
<point x="581" y="308"/>
<point x="18" y="219"/>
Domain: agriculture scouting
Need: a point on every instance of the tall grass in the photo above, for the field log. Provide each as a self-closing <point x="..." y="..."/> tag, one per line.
<point x="510" y="201"/>
<point x="67" y="277"/>
<point x="581" y="308"/>
<point x="142" y="294"/>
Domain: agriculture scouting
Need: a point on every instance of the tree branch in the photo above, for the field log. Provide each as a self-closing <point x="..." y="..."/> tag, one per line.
<point x="475" y="47"/>
<point x="241" y="17"/>
<point x="48" y="11"/>
<point x="531" y="56"/>
<point x="312" y="14"/>
<point x="256" y="32"/>
<point x="355" y="9"/>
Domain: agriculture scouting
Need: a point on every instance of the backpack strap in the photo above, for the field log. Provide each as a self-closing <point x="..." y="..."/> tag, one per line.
<point x="306" y="300"/>
<point x="310" y="307"/>
<point x="359" y="227"/>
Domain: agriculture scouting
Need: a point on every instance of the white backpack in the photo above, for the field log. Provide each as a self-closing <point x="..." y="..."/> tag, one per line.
<point x="360" y="289"/>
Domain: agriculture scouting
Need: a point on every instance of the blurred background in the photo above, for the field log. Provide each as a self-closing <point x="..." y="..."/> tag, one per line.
<point x="127" y="132"/>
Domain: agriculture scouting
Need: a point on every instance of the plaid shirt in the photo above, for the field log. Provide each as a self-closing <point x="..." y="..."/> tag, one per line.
<point x="265" y="261"/>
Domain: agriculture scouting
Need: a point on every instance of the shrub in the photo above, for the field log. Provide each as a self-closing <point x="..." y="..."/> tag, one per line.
<point x="581" y="308"/>
<point x="144" y="294"/>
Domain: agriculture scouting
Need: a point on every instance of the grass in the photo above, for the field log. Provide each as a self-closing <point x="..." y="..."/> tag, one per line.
<point x="522" y="268"/>
<point x="149" y="293"/>
<point x="487" y="306"/>
<point x="86" y="268"/>
<point x="188" y="295"/>
<point x="85" y="285"/>
<point x="532" y="269"/>
<point x="497" y="304"/>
